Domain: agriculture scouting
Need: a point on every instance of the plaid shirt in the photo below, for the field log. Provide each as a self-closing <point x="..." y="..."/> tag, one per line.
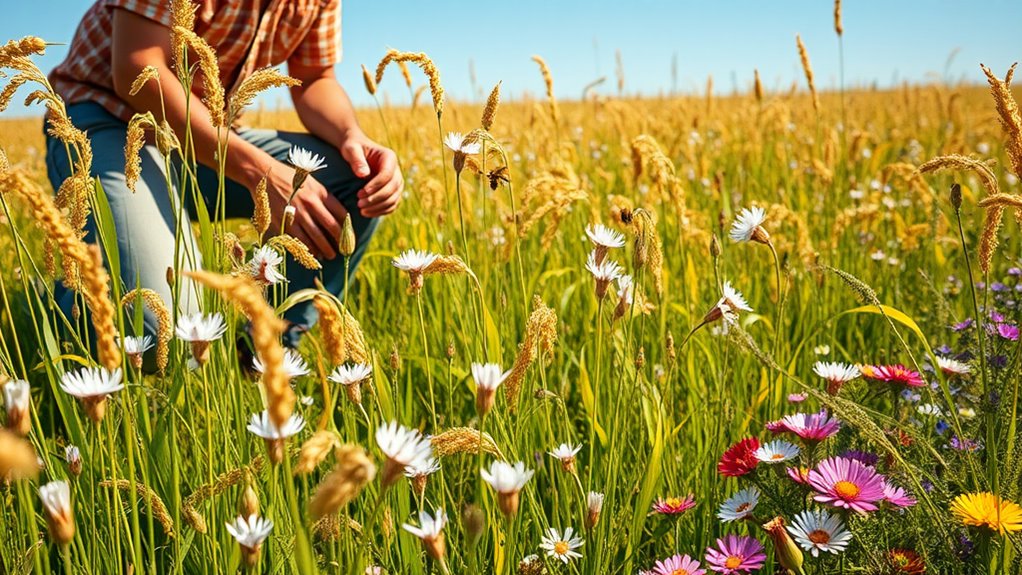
<point x="245" y="36"/>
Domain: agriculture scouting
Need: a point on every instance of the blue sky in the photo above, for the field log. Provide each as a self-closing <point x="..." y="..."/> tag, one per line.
<point x="885" y="42"/>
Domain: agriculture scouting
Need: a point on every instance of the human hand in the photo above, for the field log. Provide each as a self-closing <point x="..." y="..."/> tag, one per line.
<point x="382" y="193"/>
<point x="318" y="214"/>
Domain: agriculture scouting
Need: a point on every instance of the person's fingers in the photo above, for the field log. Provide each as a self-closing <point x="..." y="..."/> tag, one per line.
<point x="386" y="169"/>
<point x="386" y="201"/>
<point x="335" y="207"/>
<point x="389" y="188"/>
<point x="319" y="242"/>
<point x="355" y="155"/>
<point x="313" y="201"/>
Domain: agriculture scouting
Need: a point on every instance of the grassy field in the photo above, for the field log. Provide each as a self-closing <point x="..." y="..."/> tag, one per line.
<point x="868" y="263"/>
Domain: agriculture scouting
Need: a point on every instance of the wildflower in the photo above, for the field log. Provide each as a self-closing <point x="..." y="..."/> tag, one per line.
<point x="848" y="484"/>
<point x="73" y="457"/>
<point x="736" y="554"/>
<point x="134" y="347"/>
<point x="786" y="551"/>
<point x="740" y="505"/>
<point x="507" y="480"/>
<point x="988" y="510"/>
<point x="952" y="367"/>
<point x="402" y="447"/>
<point x="894" y="374"/>
<point x="678" y="565"/>
<point x="836" y="374"/>
<point x="304" y="163"/>
<point x="60" y="519"/>
<point x="457" y="144"/>
<point x="967" y="412"/>
<point x="906" y="561"/>
<point x="419" y="473"/>
<point x="963" y="325"/>
<point x="294" y="364"/>
<point x="531" y="565"/>
<point x="566" y="453"/>
<point x="16" y="402"/>
<point x="1007" y="331"/>
<point x="740" y="459"/>
<point x="777" y="451"/>
<point x="798" y="474"/>
<point x="604" y="239"/>
<point x="414" y="262"/>
<point x="728" y="306"/>
<point x="823" y="349"/>
<point x="488" y="377"/>
<point x="797" y="397"/>
<point x="810" y="428"/>
<point x="897" y="496"/>
<point x="863" y="457"/>
<point x="603" y="272"/>
<point x="562" y="547"/>
<point x="930" y="409"/>
<point x="250" y="534"/>
<point x="964" y="444"/>
<point x="352" y="377"/>
<point x="263" y="266"/>
<point x="199" y="330"/>
<point x="92" y="386"/>
<point x="819" y="531"/>
<point x="431" y="532"/>
<point x="748" y="226"/>
<point x="674" y="505"/>
<point x="594" y="505"/>
<point x="262" y="426"/>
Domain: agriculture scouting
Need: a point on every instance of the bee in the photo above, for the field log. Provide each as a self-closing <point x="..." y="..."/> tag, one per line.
<point x="497" y="176"/>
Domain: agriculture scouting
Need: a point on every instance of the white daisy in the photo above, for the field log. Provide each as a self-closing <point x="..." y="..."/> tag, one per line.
<point x="602" y="236"/>
<point x="605" y="271"/>
<point x="199" y="330"/>
<point x="91" y="382"/>
<point x="748" y="226"/>
<point x="507" y="480"/>
<point x="625" y="290"/>
<point x="566" y="453"/>
<point x="351" y="374"/>
<point x="422" y="468"/>
<point x="294" y="364"/>
<point x="414" y="260"/>
<point x="136" y="346"/>
<point x="817" y="531"/>
<point x="73" y="457"/>
<point x="251" y="532"/>
<point x="488" y="376"/>
<point x="263" y="426"/>
<point x="930" y="409"/>
<point x="777" y="451"/>
<point x="594" y="506"/>
<point x="731" y="302"/>
<point x="952" y="367"/>
<point x="402" y="447"/>
<point x="561" y="547"/>
<point x="430" y="531"/>
<point x="456" y="143"/>
<point x="56" y="498"/>
<point x="836" y="372"/>
<point x="263" y="266"/>
<point x="16" y="403"/>
<point x="740" y="505"/>
<point x="305" y="160"/>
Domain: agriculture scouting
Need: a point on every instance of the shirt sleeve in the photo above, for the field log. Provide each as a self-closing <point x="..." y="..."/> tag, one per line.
<point x="322" y="44"/>
<point x="156" y="10"/>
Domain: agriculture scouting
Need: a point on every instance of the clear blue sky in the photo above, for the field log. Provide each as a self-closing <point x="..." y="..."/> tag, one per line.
<point x="885" y="41"/>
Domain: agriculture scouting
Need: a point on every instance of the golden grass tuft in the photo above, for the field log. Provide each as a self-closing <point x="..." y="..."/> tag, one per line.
<point x="220" y="484"/>
<point x="421" y="60"/>
<point x="151" y="500"/>
<point x="314" y="451"/>
<point x="462" y="440"/>
<point x="17" y="457"/>
<point x="258" y="82"/>
<point x="368" y="80"/>
<point x="540" y="335"/>
<point x="839" y="28"/>
<point x="212" y="89"/>
<point x="959" y="162"/>
<point x="266" y="331"/>
<point x="165" y="327"/>
<point x="261" y="214"/>
<point x="490" y="109"/>
<point x="133" y="143"/>
<point x="548" y="81"/>
<point x="147" y="73"/>
<point x="1007" y="110"/>
<point x="807" y="67"/>
<point x="298" y="250"/>
<point x="353" y="471"/>
<point x="648" y="252"/>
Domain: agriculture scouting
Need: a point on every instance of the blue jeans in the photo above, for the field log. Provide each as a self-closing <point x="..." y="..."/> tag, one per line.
<point x="146" y="220"/>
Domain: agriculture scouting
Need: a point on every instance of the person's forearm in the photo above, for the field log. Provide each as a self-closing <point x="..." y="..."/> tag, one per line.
<point x="245" y="163"/>
<point x="325" y="110"/>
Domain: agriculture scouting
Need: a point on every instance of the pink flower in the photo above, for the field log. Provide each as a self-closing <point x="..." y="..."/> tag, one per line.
<point x="894" y="374"/>
<point x="799" y="474"/>
<point x="678" y="565"/>
<point x="797" y="397"/>
<point x="848" y="484"/>
<point x="736" y="554"/>
<point x="674" y="505"/>
<point x="808" y="426"/>
<point x="897" y="496"/>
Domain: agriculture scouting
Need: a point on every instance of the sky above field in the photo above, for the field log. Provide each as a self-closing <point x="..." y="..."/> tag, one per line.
<point x="885" y="43"/>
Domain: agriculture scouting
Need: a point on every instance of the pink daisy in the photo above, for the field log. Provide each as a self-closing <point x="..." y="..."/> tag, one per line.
<point x="678" y="565"/>
<point x="736" y="554"/>
<point x="894" y="374"/>
<point x="846" y="483"/>
<point x="810" y="427"/>
<point x="897" y="496"/>
<point x="674" y="505"/>
<point x="799" y="474"/>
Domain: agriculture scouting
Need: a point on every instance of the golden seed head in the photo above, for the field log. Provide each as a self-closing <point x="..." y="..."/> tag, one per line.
<point x="353" y="471"/>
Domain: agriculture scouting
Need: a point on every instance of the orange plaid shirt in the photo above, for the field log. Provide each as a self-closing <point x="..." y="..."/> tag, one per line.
<point x="245" y="36"/>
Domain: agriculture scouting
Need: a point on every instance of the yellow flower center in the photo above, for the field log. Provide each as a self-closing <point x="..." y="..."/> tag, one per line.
<point x="846" y="489"/>
<point x="679" y="571"/>
<point x="777" y="456"/>
<point x="561" y="547"/>
<point x="820" y="537"/>
<point x="742" y="508"/>
<point x="673" y="501"/>
<point x="733" y="562"/>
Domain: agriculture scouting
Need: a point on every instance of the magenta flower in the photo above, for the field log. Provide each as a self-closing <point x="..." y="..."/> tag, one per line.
<point x="848" y="484"/>
<point x="893" y="374"/>
<point x="897" y="496"/>
<point x="797" y="397"/>
<point x="810" y="427"/>
<point x="1007" y="331"/>
<point x="674" y="505"/>
<point x="736" y="554"/>
<point x="679" y="564"/>
<point x="799" y="474"/>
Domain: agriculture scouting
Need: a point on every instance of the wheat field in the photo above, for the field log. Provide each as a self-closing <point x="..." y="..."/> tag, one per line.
<point x="812" y="366"/>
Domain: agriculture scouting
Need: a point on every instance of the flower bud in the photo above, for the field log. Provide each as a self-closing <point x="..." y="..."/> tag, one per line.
<point x="594" y="503"/>
<point x="289" y="215"/>
<point x="347" y="242"/>
<point x="715" y="250"/>
<point x="60" y="520"/>
<point x="474" y="522"/>
<point x="73" y="457"/>
<point x="248" y="503"/>
<point x="786" y="551"/>
<point x="17" y="401"/>
<point x="956" y="196"/>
